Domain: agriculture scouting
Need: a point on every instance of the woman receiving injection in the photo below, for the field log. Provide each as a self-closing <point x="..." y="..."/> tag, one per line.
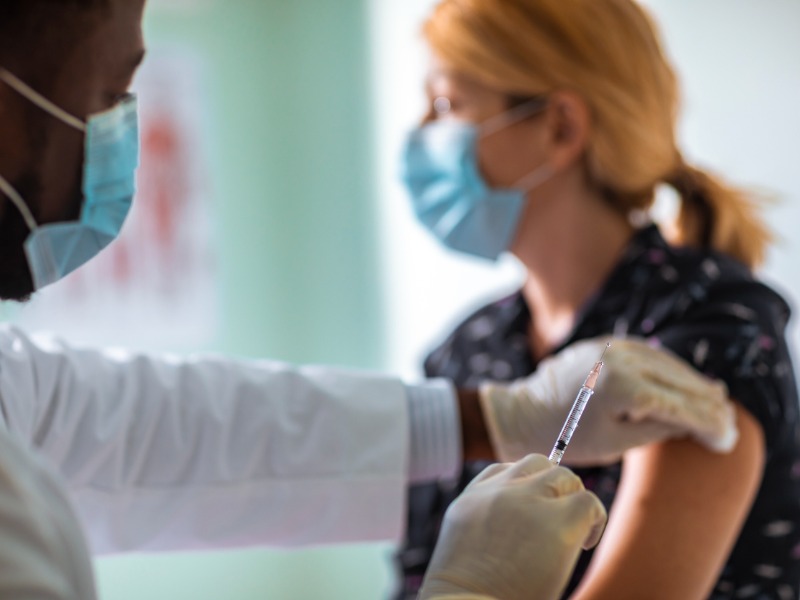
<point x="551" y="124"/>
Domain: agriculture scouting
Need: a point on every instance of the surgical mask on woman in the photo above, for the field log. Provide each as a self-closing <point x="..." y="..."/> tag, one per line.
<point x="111" y="155"/>
<point x="449" y="195"/>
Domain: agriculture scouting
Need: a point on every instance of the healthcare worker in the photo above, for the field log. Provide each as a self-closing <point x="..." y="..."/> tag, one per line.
<point x="158" y="453"/>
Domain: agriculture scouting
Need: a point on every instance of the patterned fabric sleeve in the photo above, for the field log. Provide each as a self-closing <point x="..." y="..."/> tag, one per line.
<point x="737" y="336"/>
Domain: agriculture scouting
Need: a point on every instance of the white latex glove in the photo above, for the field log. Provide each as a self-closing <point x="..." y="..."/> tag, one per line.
<point x="643" y="395"/>
<point x="515" y="533"/>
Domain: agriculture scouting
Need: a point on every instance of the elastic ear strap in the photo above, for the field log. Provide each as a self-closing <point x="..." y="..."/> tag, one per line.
<point x="24" y="89"/>
<point x="513" y="115"/>
<point x="535" y="179"/>
<point x="17" y="200"/>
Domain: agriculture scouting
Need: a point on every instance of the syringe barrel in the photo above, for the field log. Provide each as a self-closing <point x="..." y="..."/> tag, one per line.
<point x="571" y="424"/>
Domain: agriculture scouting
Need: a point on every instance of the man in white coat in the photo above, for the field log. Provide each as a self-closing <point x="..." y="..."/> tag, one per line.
<point x="158" y="453"/>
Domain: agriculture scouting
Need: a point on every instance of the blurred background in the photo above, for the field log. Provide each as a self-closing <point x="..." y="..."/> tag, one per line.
<point x="269" y="221"/>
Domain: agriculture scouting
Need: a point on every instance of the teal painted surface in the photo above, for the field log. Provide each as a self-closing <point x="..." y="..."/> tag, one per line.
<point x="293" y="214"/>
<point x="293" y="187"/>
<point x="347" y="573"/>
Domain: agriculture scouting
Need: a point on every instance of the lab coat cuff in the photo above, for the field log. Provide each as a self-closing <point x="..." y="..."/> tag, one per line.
<point x="435" y="422"/>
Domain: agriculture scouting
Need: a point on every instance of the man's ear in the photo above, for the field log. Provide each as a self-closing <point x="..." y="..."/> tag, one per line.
<point x="569" y="126"/>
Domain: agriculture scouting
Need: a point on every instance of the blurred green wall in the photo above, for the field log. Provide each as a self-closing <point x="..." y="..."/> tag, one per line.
<point x="289" y="104"/>
<point x="288" y="101"/>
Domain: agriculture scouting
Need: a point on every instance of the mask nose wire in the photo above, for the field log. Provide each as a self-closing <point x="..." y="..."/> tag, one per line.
<point x="39" y="100"/>
<point x="17" y="201"/>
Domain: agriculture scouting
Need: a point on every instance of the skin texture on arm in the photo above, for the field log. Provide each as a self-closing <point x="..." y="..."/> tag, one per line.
<point x="475" y="441"/>
<point x="677" y="514"/>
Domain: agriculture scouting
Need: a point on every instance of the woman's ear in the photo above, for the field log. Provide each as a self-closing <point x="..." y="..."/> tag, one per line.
<point x="569" y="124"/>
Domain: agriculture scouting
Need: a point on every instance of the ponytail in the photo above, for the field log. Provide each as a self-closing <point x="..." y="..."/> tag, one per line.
<point x="717" y="216"/>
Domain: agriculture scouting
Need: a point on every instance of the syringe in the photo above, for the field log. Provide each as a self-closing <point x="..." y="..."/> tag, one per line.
<point x="575" y="413"/>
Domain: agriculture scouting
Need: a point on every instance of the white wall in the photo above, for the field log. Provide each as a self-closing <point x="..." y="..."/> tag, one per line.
<point x="738" y="61"/>
<point x="427" y="288"/>
<point x="739" y="65"/>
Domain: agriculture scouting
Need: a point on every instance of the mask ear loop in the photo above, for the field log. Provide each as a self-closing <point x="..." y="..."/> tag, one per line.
<point x="535" y="179"/>
<point x="36" y="98"/>
<point x="512" y="116"/>
<point x="508" y="118"/>
<point x="17" y="201"/>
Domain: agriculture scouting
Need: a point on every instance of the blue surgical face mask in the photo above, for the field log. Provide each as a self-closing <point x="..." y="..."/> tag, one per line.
<point x="450" y="196"/>
<point x="111" y="155"/>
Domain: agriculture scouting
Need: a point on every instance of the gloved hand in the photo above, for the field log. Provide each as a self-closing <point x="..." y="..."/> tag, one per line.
<point x="643" y="395"/>
<point x="515" y="533"/>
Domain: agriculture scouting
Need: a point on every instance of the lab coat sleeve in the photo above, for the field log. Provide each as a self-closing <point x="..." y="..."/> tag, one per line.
<point x="43" y="555"/>
<point x="177" y="454"/>
<point x="435" y="424"/>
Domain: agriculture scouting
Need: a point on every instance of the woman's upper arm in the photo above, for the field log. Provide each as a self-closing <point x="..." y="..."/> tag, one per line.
<point x="677" y="514"/>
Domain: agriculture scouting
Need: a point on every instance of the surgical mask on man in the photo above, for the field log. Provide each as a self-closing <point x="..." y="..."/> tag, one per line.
<point x="111" y="155"/>
<point x="449" y="195"/>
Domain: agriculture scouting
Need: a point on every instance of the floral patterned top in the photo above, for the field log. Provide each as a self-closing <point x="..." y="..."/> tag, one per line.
<point x="707" y="309"/>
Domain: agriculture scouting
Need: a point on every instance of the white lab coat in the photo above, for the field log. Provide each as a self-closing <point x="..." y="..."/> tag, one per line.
<point x="42" y="552"/>
<point x="175" y="454"/>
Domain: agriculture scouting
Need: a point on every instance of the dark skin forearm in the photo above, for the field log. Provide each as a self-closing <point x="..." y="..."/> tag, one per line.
<point x="474" y="435"/>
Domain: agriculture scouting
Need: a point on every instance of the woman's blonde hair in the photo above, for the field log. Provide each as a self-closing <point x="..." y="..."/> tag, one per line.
<point x="607" y="51"/>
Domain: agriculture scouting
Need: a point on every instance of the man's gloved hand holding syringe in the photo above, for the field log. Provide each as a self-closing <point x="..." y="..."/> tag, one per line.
<point x="516" y="532"/>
